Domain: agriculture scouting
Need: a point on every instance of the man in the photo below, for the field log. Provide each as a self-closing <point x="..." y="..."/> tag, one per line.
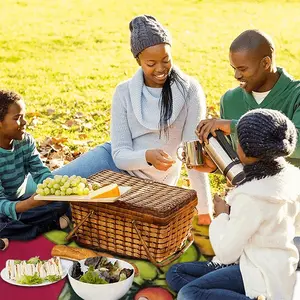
<point x="262" y="85"/>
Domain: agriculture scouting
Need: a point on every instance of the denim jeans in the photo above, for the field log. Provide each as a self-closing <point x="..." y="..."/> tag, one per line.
<point x="206" y="281"/>
<point x="33" y="222"/>
<point x="91" y="162"/>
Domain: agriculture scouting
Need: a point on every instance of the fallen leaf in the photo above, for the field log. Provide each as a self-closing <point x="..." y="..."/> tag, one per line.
<point x="87" y="125"/>
<point x="70" y="123"/>
<point x="56" y="163"/>
<point x="50" y="111"/>
<point x="83" y="136"/>
<point x="78" y="115"/>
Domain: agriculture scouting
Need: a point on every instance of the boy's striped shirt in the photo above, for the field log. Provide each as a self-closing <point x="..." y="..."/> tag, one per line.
<point x="15" y="165"/>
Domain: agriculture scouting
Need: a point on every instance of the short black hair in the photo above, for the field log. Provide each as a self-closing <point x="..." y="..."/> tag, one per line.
<point x="252" y="40"/>
<point x="7" y="98"/>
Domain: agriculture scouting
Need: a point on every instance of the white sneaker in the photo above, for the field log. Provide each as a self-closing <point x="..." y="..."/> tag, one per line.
<point x="64" y="222"/>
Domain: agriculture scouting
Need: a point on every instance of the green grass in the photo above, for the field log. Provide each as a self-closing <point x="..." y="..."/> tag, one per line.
<point x="69" y="55"/>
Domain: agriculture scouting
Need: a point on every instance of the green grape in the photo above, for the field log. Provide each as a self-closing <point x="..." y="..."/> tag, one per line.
<point x="63" y="188"/>
<point x="44" y="185"/>
<point x="52" y="191"/>
<point x="67" y="184"/>
<point x="74" y="183"/>
<point x="75" y="190"/>
<point x="39" y="186"/>
<point x="95" y="186"/>
<point x="81" y="185"/>
<point x="69" y="191"/>
<point x="47" y="180"/>
<point x="46" y="191"/>
<point x="62" y="193"/>
<point x="86" y="191"/>
<point x="40" y="191"/>
<point x="65" y="178"/>
<point x="57" y="193"/>
<point x="84" y="180"/>
<point x="80" y="192"/>
<point x="50" y="185"/>
<point x="56" y="186"/>
<point x="57" y="178"/>
<point x="72" y="177"/>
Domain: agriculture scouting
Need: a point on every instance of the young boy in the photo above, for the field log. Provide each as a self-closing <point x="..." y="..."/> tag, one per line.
<point x="22" y="217"/>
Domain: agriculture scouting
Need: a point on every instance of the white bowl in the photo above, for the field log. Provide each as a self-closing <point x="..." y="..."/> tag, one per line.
<point x="110" y="291"/>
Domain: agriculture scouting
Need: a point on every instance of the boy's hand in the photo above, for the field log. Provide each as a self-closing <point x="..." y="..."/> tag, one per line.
<point x="205" y="127"/>
<point x="159" y="159"/>
<point x="220" y="206"/>
<point x="30" y="203"/>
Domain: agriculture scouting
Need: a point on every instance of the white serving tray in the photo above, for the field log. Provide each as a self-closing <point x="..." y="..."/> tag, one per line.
<point x="75" y="198"/>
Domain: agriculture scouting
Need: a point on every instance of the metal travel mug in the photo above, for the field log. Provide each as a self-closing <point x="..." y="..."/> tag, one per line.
<point x="193" y="153"/>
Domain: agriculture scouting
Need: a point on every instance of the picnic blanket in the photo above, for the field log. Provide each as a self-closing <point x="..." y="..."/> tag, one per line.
<point x="149" y="284"/>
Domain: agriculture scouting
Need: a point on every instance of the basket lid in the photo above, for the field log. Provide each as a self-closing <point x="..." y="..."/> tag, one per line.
<point x="146" y="196"/>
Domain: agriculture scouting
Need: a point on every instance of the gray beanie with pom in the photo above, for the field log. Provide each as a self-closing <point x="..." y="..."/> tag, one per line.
<point x="146" y="31"/>
<point x="266" y="134"/>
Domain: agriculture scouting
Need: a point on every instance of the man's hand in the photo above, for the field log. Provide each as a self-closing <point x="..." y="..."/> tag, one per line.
<point x="220" y="206"/>
<point x="159" y="159"/>
<point x="205" y="127"/>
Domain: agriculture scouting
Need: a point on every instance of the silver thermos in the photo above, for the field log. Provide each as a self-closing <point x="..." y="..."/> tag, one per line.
<point x="226" y="159"/>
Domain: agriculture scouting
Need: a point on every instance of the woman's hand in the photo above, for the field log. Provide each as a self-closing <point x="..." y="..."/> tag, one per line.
<point x="220" y="206"/>
<point x="205" y="127"/>
<point x="159" y="159"/>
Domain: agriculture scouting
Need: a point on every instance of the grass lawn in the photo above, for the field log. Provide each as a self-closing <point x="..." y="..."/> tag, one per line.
<point x="66" y="56"/>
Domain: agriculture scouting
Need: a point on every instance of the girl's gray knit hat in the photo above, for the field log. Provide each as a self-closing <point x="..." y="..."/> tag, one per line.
<point x="266" y="134"/>
<point x="146" y="31"/>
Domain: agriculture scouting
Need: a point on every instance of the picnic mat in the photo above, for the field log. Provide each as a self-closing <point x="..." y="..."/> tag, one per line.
<point x="149" y="284"/>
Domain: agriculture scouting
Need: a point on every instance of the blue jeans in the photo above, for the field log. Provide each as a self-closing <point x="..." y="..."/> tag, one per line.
<point x="33" y="222"/>
<point x="91" y="162"/>
<point x="206" y="281"/>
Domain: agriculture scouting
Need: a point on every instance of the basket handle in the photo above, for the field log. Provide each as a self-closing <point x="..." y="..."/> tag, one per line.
<point x="177" y="254"/>
<point x="74" y="230"/>
<point x="167" y="260"/>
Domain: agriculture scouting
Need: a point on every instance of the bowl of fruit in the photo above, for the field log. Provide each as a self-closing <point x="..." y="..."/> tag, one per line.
<point x="76" y="188"/>
<point x="101" y="277"/>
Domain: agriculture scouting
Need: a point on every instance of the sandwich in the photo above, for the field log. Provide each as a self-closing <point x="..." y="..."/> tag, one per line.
<point x="34" y="270"/>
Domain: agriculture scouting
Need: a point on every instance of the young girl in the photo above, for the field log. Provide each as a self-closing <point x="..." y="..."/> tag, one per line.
<point x="22" y="217"/>
<point x="152" y="114"/>
<point x="255" y="253"/>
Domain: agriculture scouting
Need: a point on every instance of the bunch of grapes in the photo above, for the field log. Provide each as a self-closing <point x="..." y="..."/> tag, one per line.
<point x="63" y="186"/>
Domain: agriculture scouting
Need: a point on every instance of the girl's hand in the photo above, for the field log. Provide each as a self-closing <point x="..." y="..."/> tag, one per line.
<point x="159" y="159"/>
<point x="208" y="165"/>
<point x="220" y="206"/>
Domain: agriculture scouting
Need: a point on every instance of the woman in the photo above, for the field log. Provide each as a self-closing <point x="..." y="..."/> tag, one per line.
<point x="152" y="114"/>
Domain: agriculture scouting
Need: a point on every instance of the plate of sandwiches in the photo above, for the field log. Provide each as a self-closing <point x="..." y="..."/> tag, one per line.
<point x="34" y="271"/>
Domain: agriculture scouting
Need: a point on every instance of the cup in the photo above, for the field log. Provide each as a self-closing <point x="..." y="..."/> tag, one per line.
<point x="193" y="153"/>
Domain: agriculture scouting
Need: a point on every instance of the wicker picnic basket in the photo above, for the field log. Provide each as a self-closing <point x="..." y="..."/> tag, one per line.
<point x="150" y="221"/>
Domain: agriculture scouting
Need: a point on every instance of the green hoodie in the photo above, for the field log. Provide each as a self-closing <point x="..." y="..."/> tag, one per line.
<point x="284" y="96"/>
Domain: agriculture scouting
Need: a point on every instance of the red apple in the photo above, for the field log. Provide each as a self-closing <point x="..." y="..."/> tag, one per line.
<point x="153" y="293"/>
